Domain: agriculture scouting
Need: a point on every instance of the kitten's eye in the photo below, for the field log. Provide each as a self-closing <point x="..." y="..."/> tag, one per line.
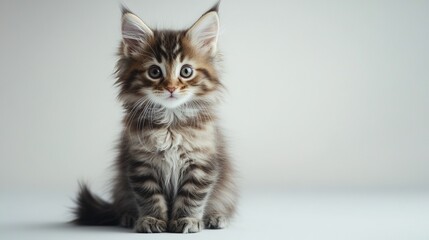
<point x="186" y="71"/>
<point x="155" y="72"/>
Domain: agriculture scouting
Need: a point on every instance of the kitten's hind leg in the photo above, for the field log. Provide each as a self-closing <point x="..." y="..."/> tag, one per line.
<point x="216" y="221"/>
<point x="221" y="206"/>
<point x="128" y="220"/>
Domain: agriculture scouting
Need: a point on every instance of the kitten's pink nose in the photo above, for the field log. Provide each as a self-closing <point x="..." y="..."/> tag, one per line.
<point x="170" y="89"/>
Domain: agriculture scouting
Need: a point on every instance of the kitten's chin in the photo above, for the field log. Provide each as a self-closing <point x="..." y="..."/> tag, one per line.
<point x="173" y="102"/>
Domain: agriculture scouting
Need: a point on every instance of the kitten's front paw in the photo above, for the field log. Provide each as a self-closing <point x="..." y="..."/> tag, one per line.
<point x="148" y="224"/>
<point x="186" y="225"/>
<point x="216" y="222"/>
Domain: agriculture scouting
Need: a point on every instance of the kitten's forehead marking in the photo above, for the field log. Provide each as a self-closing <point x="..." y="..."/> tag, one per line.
<point x="176" y="48"/>
<point x="163" y="48"/>
<point x="169" y="55"/>
<point x="168" y="45"/>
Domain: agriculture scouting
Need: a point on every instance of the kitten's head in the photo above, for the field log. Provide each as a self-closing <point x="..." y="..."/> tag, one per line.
<point x="168" y="68"/>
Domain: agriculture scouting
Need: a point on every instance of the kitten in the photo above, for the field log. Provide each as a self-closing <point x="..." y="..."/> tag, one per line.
<point x="173" y="171"/>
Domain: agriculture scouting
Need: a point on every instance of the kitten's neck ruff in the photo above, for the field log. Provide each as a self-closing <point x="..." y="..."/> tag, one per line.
<point x="181" y="114"/>
<point x="152" y="115"/>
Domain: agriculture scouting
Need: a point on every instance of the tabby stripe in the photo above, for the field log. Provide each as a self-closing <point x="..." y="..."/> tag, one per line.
<point x="142" y="178"/>
<point x="146" y="192"/>
<point x="189" y="203"/>
<point x="133" y="75"/>
<point x="206" y="169"/>
<point x="176" y="53"/>
<point x="158" y="57"/>
<point x="182" y="56"/>
<point x="163" y="54"/>
<point x="135" y="163"/>
<point x="205" y="72"/>
<point x="196" y="196"/>
<point x="199" y="183"/>
<point x="148" y="201"/>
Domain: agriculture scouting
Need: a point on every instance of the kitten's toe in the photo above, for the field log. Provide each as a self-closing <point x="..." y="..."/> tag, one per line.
<point x="148" y="224"/>
<point x="216" y="222"/>
<point x="186" y="225"/>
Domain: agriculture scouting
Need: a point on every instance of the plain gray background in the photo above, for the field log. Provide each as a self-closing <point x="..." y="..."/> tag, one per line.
<point x="327" y="114"/>
<point x="322" y="94"/>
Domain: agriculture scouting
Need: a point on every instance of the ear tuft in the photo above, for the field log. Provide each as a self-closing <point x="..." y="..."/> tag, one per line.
<point x="135" y="33"/>
<point x="204" y="33"/>
<point x="215" y="8"/>
<point x="124" y="9"/>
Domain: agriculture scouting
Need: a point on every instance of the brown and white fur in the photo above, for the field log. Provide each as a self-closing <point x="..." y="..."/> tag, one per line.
<point x="173" y="170"/>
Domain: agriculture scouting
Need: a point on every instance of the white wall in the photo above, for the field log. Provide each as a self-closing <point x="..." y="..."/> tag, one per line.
<point x="321" y="93"/>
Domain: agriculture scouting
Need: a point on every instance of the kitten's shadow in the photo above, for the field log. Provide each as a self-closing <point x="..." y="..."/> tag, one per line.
<point x="67" y="227"/>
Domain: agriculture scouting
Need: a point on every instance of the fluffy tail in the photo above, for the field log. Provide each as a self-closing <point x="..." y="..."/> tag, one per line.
<point x="92" y="210"/>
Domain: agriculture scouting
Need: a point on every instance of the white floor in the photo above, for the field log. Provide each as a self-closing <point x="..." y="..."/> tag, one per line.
<point x="292" y="215"/>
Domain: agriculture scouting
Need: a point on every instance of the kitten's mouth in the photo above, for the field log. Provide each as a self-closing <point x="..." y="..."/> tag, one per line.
<point x="171" y="97"/>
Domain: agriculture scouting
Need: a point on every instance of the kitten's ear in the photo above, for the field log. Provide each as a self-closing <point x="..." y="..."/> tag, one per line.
<point x="204" y="33"/>
<point x="135" y="33"/>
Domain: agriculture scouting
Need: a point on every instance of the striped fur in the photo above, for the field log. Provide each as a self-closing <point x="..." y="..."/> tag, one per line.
<point x="173" y="170"/>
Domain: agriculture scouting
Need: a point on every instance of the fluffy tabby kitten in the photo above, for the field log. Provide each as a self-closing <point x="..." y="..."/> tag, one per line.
<point x="173" y="172"/>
